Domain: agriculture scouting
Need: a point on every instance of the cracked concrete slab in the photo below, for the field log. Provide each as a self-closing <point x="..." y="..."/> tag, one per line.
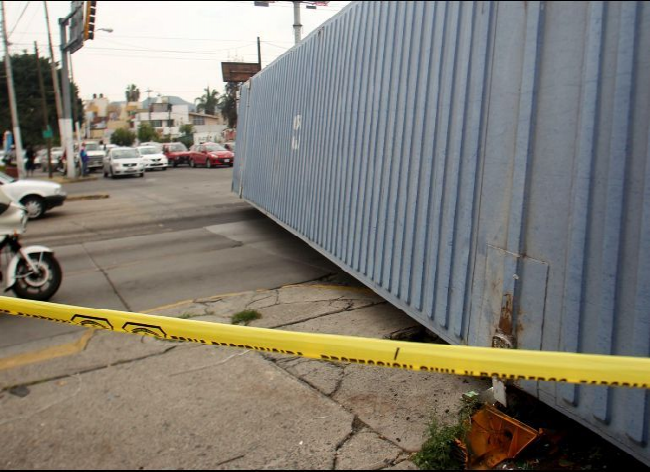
<point x="400" y="404"/>
<point x="323" y="376"/>
<point x="102" y="349"/>
<point x="239" y="412"/>
<point x="194" y="309"/>
<point x="319" y="292"/>
<point x="263" y="301"/>
<point x="373" y="322"/>
<point x="365" y="450"/>
<point x="284" y="314"/>
<point x="188" y="406"/>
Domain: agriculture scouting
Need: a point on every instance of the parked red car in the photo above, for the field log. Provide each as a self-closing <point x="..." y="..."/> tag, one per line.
<point x="210" y="154"/>
<point x="176" y="154"/>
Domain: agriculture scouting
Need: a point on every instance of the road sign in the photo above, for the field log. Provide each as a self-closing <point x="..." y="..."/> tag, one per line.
<point x="47" y="133"/>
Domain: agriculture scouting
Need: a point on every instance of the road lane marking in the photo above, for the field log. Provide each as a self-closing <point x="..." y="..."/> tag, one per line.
<point x="48" y="353"/>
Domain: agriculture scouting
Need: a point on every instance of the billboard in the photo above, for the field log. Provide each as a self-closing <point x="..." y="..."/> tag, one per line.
<point x="76" y="39"/>
<point x="239" y="71"/>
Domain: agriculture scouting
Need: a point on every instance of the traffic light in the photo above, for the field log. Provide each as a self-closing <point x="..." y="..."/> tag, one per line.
<point x="89" y="20"/>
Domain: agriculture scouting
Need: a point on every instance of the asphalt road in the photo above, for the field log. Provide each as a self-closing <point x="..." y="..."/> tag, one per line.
<point x="158" y="240"/>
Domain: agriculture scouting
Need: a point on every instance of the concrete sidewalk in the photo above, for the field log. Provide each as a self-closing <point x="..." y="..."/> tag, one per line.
<point x="121" y="401"/>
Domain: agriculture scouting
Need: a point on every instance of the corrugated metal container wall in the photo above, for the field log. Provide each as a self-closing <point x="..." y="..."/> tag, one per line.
<point x="483" y="166"/>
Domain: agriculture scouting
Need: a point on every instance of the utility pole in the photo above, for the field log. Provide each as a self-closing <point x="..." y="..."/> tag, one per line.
<point x="149" y="103"/>
<point x="55" y="80"/>
<point x="67" y="135"/>
<point x="46" y="122"/>
<point x="297" y="27"/>
<point x="12" y="97"/>
<point x="259" y="53"/>
<point x="74" y="109"/>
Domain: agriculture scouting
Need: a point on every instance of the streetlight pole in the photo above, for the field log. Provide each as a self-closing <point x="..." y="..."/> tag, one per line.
<point x="297" y="27"/>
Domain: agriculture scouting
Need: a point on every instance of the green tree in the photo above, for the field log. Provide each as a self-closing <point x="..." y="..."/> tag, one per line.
<point x="208" y="102"/>
<point x="28" y="99"/>
<point x="228" y="104"/>
<point x="123" y="137"/>
<point x="147" y="133"/>
<point x="187" y="134"/>
<point x="132" y="93"/>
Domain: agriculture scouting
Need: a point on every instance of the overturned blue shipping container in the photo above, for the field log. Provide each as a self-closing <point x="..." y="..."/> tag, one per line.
<point x="484" y="166"/>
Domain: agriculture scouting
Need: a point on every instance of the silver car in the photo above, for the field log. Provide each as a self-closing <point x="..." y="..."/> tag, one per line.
<point x="123" y="161"/>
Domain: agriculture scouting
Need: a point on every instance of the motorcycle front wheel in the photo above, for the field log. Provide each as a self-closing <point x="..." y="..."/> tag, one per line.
<point x="38" y="285"/>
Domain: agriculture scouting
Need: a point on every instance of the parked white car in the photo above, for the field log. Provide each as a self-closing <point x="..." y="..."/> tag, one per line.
<point x="153" y="158"/>
<point x="123" y="161"/>
<point x="36" y="196"/>
<point x="158" y="146"/>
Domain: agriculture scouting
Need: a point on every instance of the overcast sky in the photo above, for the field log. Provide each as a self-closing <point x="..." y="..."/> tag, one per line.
<point x="171" y="48"/>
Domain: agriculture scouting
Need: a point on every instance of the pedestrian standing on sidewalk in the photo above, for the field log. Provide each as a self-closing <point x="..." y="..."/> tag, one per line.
<point x="30" y="156"/>
<point x="84" y="160"/>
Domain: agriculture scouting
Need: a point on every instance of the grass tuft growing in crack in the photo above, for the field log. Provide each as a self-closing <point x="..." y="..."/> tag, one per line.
<point x="437" y="452"/>
<point x="440" y="451"/>
<point x="246" y="316"/>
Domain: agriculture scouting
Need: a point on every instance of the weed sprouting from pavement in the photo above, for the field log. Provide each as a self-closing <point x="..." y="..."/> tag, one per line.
<point x="245" y="317"/>
<point x="437" y="452"/>
<point x="440" y="451"/>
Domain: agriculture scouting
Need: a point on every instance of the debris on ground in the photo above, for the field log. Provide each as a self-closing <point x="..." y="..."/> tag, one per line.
<point x="526" y="435"/>
<point x="19" y="391"/>
<point x="494" y="437"/>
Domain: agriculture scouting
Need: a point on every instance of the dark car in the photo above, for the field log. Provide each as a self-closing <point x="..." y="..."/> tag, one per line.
<point x="176" y="153"/>
<point x="210" y="155"/>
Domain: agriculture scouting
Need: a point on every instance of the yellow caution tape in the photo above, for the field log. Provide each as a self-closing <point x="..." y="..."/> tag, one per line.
<point x="506" y="364"/>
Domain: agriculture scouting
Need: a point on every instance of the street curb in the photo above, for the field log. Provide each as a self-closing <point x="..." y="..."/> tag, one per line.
<point x="66" y="180"/>
<point x="72" y="198"/>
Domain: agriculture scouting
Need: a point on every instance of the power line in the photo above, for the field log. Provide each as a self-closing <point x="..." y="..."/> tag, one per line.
<point x="215" y="59"/>
<point x="251" y="43"/>
<point x="161" y="51"/>
<point x="174" y="38"/>
<point x="243" y="44"/>
<point x="19" y="18"/>
<point x="180" y="38"/>
<point x="285" y="48"/>
<point x="29" y="23"/>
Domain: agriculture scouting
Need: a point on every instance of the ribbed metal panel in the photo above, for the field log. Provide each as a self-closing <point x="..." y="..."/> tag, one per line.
<point x="483" y="166"/>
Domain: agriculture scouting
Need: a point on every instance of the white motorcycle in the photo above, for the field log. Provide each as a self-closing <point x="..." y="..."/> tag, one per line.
<point x="31" y="272"/>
